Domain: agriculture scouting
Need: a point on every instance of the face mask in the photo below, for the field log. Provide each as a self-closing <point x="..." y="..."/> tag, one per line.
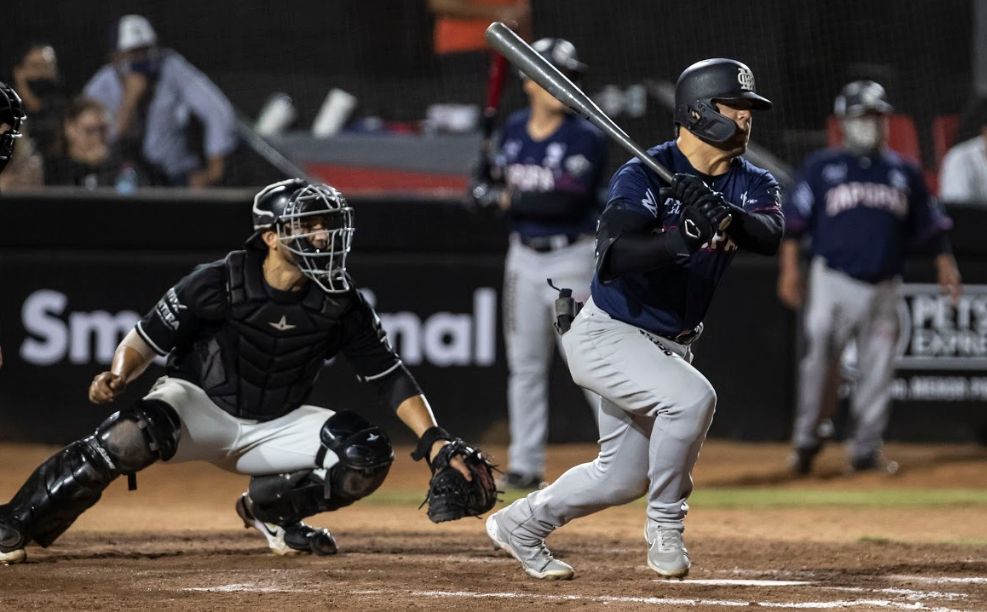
<point x="862" y="133"/>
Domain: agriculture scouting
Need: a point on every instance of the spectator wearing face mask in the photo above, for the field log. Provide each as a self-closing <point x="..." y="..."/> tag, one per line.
<point x="37" y="80"/>
<point x="152" y="93"/>
<point x="81" y="155"/>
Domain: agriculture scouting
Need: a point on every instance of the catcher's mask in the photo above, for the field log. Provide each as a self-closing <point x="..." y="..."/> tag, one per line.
<point x="314" y="223"/>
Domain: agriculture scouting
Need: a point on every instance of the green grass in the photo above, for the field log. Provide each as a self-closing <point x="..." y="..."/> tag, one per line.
<point x="743" y="498"/>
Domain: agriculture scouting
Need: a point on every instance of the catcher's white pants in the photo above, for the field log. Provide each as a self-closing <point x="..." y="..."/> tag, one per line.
<point x="530" y="339"/>
<point x="841" y="307"/>
<point x="209" y="433"/>
<point x="653" y="417"/>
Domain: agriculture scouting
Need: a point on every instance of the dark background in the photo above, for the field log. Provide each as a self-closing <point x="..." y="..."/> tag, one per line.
<point x="802" y="53"/>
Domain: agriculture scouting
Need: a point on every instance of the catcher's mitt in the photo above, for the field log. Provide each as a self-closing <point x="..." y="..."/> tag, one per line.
<point x="450" y="496"/>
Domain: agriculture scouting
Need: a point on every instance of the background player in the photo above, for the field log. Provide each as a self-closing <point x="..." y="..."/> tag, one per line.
<point x="660" y="258"/>
<point x="862" y="206"/>
<point x="246" y="337"/>
<point x="549" y="170"/>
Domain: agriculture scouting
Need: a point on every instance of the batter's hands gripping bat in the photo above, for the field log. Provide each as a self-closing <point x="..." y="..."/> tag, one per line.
<point x="536" y="67"/>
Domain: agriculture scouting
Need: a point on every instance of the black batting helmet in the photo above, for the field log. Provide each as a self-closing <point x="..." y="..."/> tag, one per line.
<point x="709" y="81"/>
<point x="862" y="97"/>
<point x="11" y="113"/>
<point x="562" y="54"/>
<point x="292" y="208"/>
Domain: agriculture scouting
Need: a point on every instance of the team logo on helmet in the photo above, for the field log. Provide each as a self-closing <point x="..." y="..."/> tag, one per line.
<point x="746" y="78"/>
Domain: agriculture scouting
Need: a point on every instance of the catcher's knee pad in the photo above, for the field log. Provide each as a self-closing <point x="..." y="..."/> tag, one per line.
<point x="136" y="437"/>
<point x="365" y="456"/>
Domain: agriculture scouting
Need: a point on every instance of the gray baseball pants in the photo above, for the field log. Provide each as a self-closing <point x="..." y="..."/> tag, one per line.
<point x="531" y="340"/>
<point x="653" y="416"/>
<point x="209" y="433"/>
<point x="840" y="308"/>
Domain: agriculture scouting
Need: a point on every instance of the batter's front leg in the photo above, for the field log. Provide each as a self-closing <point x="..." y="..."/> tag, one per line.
<point x="676" y="438"/>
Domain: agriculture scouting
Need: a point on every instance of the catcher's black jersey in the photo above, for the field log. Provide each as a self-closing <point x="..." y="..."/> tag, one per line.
<point x="255" y="350"/>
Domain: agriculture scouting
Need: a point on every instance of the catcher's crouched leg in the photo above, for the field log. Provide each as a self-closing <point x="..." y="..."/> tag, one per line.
<point x="282" y="500"/>
<point x="71" y="481"/>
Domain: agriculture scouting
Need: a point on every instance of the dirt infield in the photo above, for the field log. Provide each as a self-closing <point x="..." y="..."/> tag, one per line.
<point x="757" y="537"/>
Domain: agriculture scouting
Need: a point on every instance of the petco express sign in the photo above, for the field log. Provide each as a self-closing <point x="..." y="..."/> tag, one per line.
<point x="942" y="350"/>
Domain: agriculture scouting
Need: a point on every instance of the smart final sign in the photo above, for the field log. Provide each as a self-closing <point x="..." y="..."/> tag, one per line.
<point x="942" y="349"/>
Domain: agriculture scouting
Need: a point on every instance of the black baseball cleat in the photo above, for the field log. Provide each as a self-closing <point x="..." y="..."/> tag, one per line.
<point x="12" y="542"/>
<point x="516" y="481"/>
<point x="288" y="539"/>
<point x="801" y="460"/>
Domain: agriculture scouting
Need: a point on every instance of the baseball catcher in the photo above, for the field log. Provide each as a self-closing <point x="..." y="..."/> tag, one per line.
<point x="245" y="338"/>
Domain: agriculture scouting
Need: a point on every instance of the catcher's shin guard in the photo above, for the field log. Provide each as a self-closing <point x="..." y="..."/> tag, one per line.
<point x="71" y="481"/>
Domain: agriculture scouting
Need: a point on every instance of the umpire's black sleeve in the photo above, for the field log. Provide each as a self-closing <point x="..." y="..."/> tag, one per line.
<point x="758" y="232"/>
<point x="366" y="347"/>
<point x="627" y="242"/>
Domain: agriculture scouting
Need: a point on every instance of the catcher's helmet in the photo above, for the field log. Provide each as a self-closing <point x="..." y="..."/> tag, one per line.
<point x="562" y="54"/>
<point x="709" y="81"/>
<point x="11" y="113"/>
<point x="313" y="222"/>
<point x="862" y="97"/>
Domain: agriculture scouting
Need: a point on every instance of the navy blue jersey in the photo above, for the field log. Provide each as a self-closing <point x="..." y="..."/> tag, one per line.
<point x="571" y="161"/>
<point x="672" y="300"/>
<point x="862" y="213"/>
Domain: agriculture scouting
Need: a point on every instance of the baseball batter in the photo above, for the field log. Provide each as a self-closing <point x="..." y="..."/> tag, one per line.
<point x="245" y="338"/>
<point x="550" y="166"/>
<point x="659" y="260"/>
<point x="862" y="206"/>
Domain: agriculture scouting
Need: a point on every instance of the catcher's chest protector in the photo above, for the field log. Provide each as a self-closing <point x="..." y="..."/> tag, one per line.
<point x="266" y="357"/>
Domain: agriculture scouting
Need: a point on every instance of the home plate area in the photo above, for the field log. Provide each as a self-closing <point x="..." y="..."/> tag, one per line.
<point x="824" y="543"/>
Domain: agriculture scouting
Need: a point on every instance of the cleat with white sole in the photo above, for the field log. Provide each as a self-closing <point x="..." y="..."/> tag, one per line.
<point x="288" y="540"/>
<point x="667" y="554"/>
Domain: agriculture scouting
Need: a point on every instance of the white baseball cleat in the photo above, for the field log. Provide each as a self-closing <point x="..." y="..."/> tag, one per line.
<point x="534" y="556"/>
<point x="667" y="553"/>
